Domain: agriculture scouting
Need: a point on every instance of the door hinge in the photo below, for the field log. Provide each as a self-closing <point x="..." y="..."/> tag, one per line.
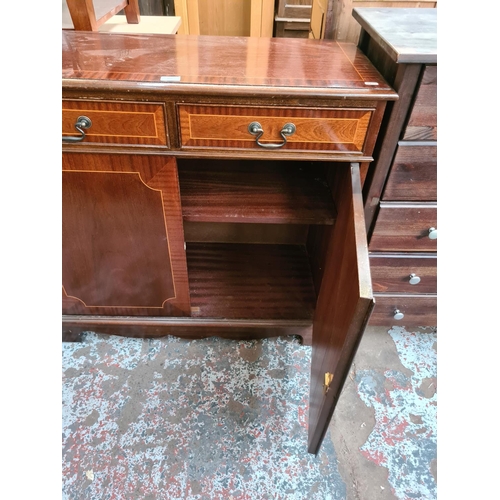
<point x="328" y="381"/>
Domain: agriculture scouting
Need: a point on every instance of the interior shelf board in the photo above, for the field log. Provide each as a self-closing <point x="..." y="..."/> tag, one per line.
<point x="255" y="192"/>
<point x="250" y="281"/>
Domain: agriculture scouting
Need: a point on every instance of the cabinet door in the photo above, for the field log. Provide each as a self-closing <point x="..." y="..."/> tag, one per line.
<point x="226" y="17"/>
<point x="122" y="236"/>
<point x="344" y="305"/>
<point x="318" y="19"/>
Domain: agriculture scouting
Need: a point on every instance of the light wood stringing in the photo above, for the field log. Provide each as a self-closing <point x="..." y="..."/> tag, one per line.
<point x="317" y="129"/>
<point x="117" y="122"/>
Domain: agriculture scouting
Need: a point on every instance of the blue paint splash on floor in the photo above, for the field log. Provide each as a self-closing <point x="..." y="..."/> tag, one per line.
<point x="404" y="439"/>
<point x="174" y="419"/>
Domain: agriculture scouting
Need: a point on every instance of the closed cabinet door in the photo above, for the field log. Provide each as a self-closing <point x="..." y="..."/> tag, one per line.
<point x="122" y="236"/>
<point x="226" y="17"/>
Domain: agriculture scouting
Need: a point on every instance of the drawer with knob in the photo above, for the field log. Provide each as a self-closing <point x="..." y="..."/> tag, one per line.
<point x="343" y="130"/>
<point x="422" y="124"/>
<point x="407" y="227"/>
<point x="404" y="273"/>
<point x="404" y="310"/>
<point x="110" y="122"/>
<point x="413" y="175"/>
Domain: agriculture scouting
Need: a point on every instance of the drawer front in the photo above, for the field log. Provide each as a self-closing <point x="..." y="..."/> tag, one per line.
<point x="296" y="9"/>
<point x="404" y="227"/>
<point x="413" y="175"/>
<point x="116" y="122"/>
<point x="292" y="29"/>
<point x="393" y="273"/>
<point x="226" y="127"/>
<point x="422" y="124"/>
<point x="416" y="310"/>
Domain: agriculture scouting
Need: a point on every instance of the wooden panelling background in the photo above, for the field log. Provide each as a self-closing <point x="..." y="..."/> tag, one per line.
<point x="226" y="17"/>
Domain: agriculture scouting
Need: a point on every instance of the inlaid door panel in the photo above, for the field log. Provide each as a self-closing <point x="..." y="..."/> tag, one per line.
<point x="123" y="242"/>
<point x="226" y="127"/>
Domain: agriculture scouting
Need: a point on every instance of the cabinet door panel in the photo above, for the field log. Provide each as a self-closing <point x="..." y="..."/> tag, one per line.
<point x="344" y="304"/>
<point x="123" y="243"/>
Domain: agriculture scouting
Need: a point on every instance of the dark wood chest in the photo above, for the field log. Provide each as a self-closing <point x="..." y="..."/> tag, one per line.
<point x="401" y="185"/>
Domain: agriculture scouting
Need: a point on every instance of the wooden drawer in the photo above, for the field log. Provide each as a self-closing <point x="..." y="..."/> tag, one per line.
<point x="413" y="175"/>
<point x="422" y="124"/>
<point x="292" y="29"/>
<point x="418" y="310"/>
<point x="117" y="122"/>
<point x="317" y="129"/>
<point x="391" y="273"/>
<point x="297" y="9"/>
<point x="404" y="227"/>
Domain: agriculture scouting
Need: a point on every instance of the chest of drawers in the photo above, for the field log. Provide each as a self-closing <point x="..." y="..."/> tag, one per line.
<point x="401" y="186"/>
<point x="212" y="186"/>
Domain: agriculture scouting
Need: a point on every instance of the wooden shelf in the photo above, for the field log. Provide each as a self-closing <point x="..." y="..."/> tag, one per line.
<point x="254" y="192"/>
<point x="249" y="281"/>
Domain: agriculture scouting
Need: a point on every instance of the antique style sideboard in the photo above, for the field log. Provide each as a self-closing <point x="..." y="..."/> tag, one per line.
<point x="401" y="185"/>
<point x="213" y="186"/>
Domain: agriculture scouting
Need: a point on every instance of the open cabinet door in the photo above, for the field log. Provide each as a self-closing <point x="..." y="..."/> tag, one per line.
<point x="345" y="302"/>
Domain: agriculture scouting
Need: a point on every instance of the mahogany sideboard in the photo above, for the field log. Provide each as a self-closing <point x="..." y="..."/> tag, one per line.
<point x="213" y="186"/>
<point x="401" y="185"/>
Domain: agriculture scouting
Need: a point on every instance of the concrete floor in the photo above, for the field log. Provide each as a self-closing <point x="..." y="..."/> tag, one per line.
<point x="215" y="419"/>
<point x="384" y="428"/>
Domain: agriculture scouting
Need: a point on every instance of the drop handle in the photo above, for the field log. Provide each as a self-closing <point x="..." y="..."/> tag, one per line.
<point x="398" y="314"/>
<point x="433" y="233"/>
<point x="414" y="279"/>
<point x="82" y="123"/>
<point x="255" y="128"/>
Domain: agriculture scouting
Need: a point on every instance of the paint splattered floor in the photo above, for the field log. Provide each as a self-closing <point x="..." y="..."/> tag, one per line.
<point x="216" y="419"/>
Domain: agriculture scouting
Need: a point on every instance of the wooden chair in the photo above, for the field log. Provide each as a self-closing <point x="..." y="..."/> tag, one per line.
<point x="88" y="15"/>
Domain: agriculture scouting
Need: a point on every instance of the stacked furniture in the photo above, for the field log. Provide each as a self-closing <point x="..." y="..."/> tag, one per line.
<point x="401" y="185"/>
<point x="293" y="18"/>
<point x="220" y="196"/>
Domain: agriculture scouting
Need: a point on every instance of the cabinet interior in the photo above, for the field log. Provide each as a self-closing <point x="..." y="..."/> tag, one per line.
<point x="256" y="233"/>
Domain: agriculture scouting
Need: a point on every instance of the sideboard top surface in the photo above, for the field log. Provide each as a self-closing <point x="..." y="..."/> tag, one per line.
<point x="408" y="35"/>
<point x="208" y="63"/>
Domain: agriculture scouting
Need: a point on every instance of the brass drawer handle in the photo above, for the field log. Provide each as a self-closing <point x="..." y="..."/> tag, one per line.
<point x="255" y="128"/>
<point x="81" y="124"/>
